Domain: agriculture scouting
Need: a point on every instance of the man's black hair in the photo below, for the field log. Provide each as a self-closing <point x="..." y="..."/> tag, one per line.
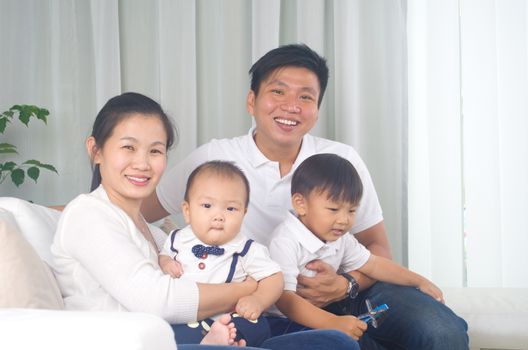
<point x="292" y="55"/>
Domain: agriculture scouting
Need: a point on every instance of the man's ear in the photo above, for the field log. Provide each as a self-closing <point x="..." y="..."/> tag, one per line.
<point x="185" y="211"/>
<point x="299" y="204"/>
<point x="250" y="103"/>
<point x="92" y="149"/>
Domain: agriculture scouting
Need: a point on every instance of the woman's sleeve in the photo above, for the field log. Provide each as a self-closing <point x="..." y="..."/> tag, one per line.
<point x="99" y="237"/>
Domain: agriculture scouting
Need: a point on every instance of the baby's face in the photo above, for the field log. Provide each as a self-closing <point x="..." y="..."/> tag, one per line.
<point x="327" y="219"/>
<point x="216" y="208"/>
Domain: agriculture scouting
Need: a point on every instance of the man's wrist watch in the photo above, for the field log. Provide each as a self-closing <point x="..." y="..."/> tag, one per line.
<point x="353" y="286"/>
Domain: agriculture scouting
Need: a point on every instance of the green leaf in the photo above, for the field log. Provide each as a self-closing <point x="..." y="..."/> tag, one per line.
<point x="41" y="114"/>
<point x="3" y="124"/>
<point x="17" y="176"/>
<point x="7" y="148"/>
<point x="9" y="166"/>
<point x="25" y="114"/>
<point x="41" y="165"/>
<point x="33" y="173"/>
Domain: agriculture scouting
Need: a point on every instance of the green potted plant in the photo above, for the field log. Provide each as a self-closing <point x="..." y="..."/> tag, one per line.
<point x="16" y="172"/>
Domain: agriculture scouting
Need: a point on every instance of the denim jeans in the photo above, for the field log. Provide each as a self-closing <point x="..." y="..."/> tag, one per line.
<point x="414" y="320"/>
<point x="320" y="339"/>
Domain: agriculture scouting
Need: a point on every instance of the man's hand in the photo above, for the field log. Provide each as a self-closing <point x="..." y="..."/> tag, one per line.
<point x="249" y="307"/>
<point x="170" y="266"/>
<point x="324" y="288"/>
<point x="348" y="324"/>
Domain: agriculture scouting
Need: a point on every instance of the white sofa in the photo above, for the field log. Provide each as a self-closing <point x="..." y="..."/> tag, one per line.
<point x="497" y="317"/>
<point x="31" y="308"/>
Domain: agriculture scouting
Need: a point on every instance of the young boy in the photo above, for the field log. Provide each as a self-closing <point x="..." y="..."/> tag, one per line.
<point x="211" y="249"/>
<point x="326" y="191"/>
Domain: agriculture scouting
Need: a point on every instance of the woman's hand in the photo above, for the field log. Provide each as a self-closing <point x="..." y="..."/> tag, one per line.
<point x="324" y="288"/>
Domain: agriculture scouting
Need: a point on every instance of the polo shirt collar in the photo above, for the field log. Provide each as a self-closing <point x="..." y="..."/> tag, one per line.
<point x="256" y="157"/>
<point x="305" y="237"/>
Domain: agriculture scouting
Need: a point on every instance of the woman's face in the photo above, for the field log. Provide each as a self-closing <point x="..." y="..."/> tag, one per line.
<point x="133" y="159"/>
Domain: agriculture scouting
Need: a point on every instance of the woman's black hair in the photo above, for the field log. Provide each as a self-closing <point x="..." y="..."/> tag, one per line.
<point x="330" y="173"/>
<point x="218" y="167"/>
<point x="119" y="108"/>
<point x="292" y="55"/>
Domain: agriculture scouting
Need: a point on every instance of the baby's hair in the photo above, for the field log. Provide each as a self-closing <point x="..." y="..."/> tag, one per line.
<point x="220" y="168"/>
<point x="328" y="173"/>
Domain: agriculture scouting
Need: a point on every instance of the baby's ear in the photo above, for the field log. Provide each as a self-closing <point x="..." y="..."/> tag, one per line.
<point x="299" y="203"/>
<point x="186" y="212"/>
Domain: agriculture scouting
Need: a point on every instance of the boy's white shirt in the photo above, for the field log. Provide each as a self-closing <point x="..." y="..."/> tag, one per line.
<point x="293" y="246"/>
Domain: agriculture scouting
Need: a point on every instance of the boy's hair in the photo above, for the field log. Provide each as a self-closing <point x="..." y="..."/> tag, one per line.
<point x="220" y="168"/>
<point x="329" y="173"/>
<point x="293" y="55"/>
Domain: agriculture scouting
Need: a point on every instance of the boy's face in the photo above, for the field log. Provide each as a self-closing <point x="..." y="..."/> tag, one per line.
<point x="325" y="218"/>
<point x="285" y="108"/>
<point x="216" y="208"/>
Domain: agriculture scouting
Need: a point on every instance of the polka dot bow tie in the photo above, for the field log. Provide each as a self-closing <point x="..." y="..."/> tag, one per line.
<point x="201" y="250"/>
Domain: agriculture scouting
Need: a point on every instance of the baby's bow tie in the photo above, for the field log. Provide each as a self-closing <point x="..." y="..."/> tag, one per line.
<point x="200" y="250"/>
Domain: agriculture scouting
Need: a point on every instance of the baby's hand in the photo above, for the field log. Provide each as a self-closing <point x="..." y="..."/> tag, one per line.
<point x="249" y="307"/>
<point x="170" y="266"/>
<point x="348" y="324"/>
<point x="431" y="289"/>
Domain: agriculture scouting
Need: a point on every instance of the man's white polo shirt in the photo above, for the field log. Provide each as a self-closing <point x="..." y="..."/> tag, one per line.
<point x="270" y="194"/>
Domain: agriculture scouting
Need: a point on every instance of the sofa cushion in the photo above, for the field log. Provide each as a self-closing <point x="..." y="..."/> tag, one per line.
<point x="37" y="223"/>
<point x="27" y="281"/>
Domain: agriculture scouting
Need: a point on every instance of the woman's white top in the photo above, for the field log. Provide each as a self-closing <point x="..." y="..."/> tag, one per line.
<point x="103" y="262"/>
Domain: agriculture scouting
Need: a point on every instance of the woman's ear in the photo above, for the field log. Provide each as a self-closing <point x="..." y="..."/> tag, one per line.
<point x="92" y="149"/>
<point x="299" y="204"/>
<point x="186" y="212"/>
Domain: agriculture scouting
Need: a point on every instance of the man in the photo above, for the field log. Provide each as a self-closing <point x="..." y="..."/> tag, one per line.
<point x="287" y="87"/>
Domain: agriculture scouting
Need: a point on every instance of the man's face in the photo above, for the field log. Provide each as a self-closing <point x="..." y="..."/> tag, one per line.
<point x="285" y="108"/>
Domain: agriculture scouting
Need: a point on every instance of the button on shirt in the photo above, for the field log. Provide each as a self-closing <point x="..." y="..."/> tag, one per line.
<point x="293" y="246"/>
<point x="270" y="197"/>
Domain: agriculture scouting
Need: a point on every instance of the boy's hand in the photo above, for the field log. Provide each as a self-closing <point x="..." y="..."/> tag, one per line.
<point x="431" y="289"/>
<point x="170" y="266"/>
<point x="249" y="307"/>
<point x="348" y="324"/>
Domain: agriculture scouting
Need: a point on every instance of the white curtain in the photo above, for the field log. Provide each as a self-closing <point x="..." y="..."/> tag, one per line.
<point x="193" y="57"/>
<point x="468" y="141"/>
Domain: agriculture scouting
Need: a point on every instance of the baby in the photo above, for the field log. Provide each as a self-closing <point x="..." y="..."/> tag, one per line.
<point x="211" y="249"/>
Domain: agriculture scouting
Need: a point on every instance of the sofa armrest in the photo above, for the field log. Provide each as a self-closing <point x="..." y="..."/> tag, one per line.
<point x="497" y="317"/>
<point x="66" y="330"/>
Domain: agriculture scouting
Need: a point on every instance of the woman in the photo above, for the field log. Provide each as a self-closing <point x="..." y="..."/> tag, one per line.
<point x="105" y="253"/>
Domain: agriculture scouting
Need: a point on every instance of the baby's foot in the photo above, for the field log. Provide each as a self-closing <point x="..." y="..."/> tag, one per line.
<point x="223" y="332"/>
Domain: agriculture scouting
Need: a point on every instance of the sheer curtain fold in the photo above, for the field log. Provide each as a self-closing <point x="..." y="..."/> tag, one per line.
<point x="468" y="86"/>
<point x="194" y="57"/>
